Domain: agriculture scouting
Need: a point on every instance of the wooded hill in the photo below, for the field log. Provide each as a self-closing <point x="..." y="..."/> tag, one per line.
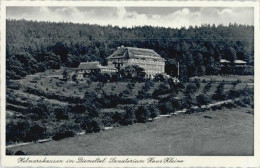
<point x="37" y="46"/>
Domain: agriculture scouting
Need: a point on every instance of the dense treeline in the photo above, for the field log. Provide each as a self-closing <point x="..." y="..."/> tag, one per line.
<point x="36" y="46"/>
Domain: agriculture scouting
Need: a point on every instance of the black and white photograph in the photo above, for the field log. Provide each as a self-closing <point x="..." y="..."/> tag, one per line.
<point x="104" y="80"/>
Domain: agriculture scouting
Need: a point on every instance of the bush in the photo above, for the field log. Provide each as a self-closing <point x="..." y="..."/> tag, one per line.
<point x="219" y="93"/>
<point x="214" y="108"/>
<point x="190" y="100"/>
<point x="94" y="125"/>
<point x="16" y="131"/>
<point x="154" y="111"/>
<point x="197" y="83"/>
<point x="35" y="132"/>
<point x="248" y="101"/>
<point x="118" y="118"/>
<point x="203" y="99"/>
<point x="191" y="88"/>
<point x="162" y="89"/>
<point x="63" y="134"/>
<point x="207" y="87"/>
<point x="159" y="78"/>
<point x="193" y="110"/>
<point x="142" y="114"/>
<point x="166" y="107"/>
<point x="19" y="153"/>
<point x="229" y="105"/>
<point x="129" y="117"/>
<point x="12" y="85"/>
<point x="177" y="104"/>
<point x="107" y="120"/>
<point x="61" y="113"/>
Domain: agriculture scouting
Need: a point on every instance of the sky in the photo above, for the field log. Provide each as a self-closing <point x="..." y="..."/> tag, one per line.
<point x="174" y="17"/>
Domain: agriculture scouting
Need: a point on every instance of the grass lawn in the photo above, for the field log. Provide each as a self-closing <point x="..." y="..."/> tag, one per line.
<point x="223" y="132"/>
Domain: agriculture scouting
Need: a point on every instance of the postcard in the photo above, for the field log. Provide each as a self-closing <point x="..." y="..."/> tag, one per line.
<point x="130" y="84"/>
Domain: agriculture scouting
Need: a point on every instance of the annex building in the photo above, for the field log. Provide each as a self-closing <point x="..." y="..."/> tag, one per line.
<point x="238" y="67"/>
<point x="148" y="59"/>
<point x="85" y="68"/>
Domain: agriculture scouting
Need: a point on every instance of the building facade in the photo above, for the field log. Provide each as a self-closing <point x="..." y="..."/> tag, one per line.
<point x="148" y="59"/>
<point x="85" y="68"/>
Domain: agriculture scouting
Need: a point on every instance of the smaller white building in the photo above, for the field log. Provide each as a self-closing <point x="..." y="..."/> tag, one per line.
<point x="85" y="68"/>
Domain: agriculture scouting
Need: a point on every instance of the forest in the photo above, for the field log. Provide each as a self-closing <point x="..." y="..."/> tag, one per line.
<point x="33" y="46"/>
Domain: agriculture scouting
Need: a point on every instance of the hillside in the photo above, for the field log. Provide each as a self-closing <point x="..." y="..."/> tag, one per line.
<point x="37" y="46"/>
<point x="46" y="102"/>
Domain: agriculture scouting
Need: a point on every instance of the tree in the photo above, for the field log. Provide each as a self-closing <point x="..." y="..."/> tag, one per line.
<point x="154" y="111"/>
<point x="199" y="61"/>
<point x="232" y="56"/>
<point x="166" y="107"/>
<point x="129" y="117"/>
<point x="42" y="109"/>
<point x="191" y="88"/>
<point x="36" y="132"/>
<point x="210" y="66"/>
<point x="207" y="87"/>
<point x="133" y="72"/>
<point x="61" y="113"/>
<point x="219" y="93"/>
<point x="65" y="75"/>
<point x="61" y="49"/>
<point x="142" y="114"/>
<point x="197" y="83"/>
<point x="118" y="118"/>
<point x="159" y="78"/>
<point x="190" y="101"/>
<point x="163" y="88"/>
<point x="74" y="77"/>
<point x="17" y="131"/>
<point x="202" y="99"/>
<point x="93" y="125"/>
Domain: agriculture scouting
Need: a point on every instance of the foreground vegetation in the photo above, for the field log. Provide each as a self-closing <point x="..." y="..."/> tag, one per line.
<point x="213" y="132"/>
<point x="42" y="106"/>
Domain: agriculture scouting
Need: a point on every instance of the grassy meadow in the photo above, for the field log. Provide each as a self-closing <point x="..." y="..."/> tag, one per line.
<point x="221" y="132"/>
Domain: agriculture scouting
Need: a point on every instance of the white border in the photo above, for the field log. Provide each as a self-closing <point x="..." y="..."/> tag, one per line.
<point x="189" y="161"/>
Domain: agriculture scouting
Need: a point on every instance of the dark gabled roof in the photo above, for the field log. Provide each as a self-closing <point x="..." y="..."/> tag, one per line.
<point x="132" y="52"/>
<point x="89" y="65"/>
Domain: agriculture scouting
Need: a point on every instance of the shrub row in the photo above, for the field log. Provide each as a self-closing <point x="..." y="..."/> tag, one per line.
<point x="51" y="95"/>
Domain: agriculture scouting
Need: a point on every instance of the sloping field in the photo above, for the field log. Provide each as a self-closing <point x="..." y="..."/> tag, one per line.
<point x="223" y="132"/>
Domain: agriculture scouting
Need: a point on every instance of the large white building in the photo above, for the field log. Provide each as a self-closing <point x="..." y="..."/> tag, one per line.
<point x="148" y="59"/>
